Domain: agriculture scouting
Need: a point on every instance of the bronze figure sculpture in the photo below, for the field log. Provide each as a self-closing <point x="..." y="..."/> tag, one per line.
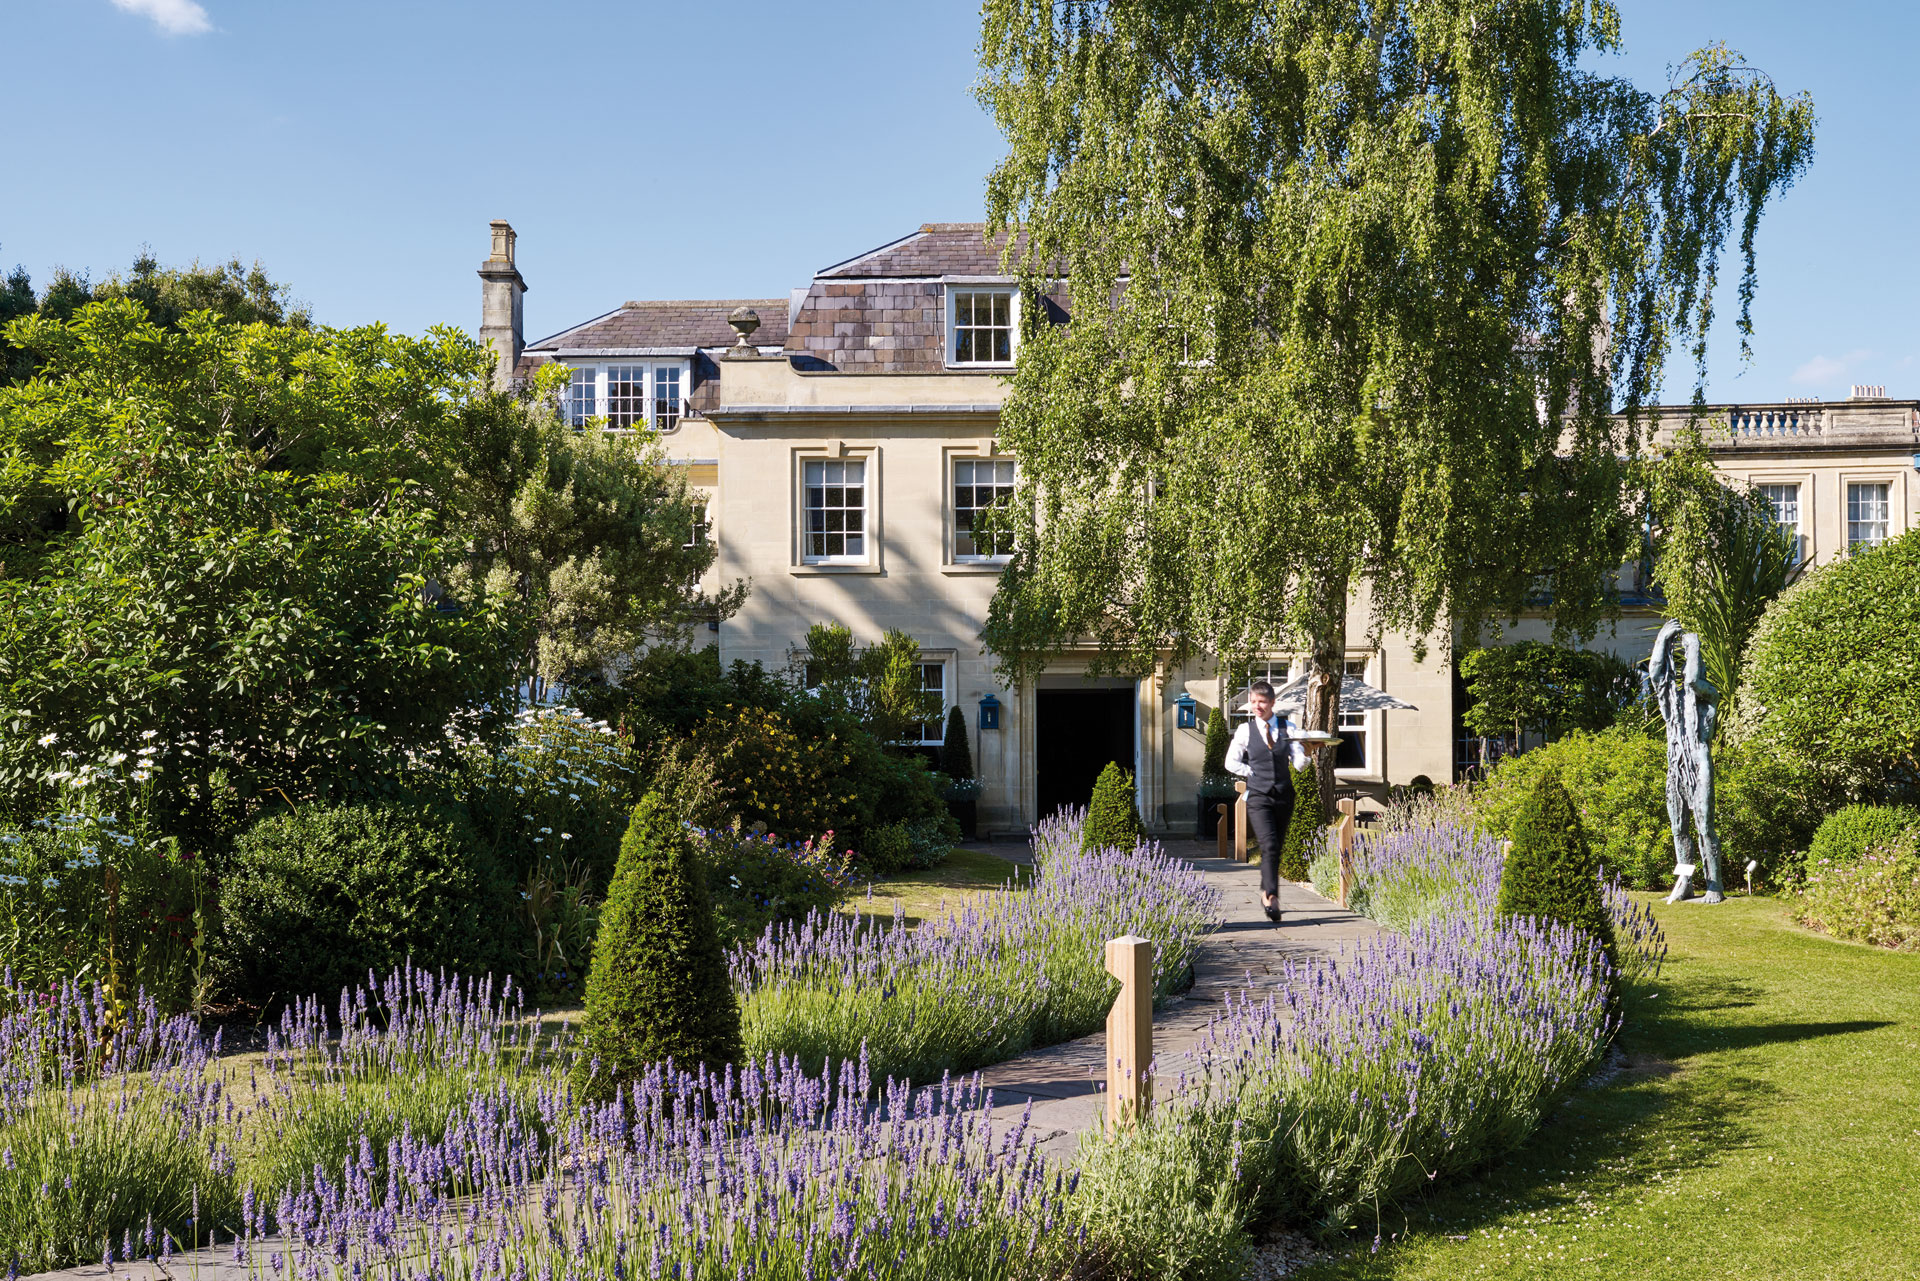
<point x="1688" y="704"/>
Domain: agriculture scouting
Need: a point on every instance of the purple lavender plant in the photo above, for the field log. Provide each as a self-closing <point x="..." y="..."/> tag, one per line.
<point x="1004" y="972"/>
<point x="774" y="1172"/>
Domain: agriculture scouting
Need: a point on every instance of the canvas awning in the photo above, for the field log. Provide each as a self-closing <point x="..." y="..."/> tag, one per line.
<point x="1355" y="696"/>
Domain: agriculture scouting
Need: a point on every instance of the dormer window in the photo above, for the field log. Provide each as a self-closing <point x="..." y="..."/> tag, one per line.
<point x="629" y="396"/>
<point x="982" y="326"/>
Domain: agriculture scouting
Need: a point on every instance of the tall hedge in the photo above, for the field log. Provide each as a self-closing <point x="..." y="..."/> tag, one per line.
<point x="956" y="756"/>
<point x="1306" y="831"/>
<point x="1111" y="817"/>
<point x="658" y="988"/>
<point x="1551" y="871"/>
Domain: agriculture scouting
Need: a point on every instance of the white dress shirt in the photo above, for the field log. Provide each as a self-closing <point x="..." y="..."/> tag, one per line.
<point x="1237" y="749"/>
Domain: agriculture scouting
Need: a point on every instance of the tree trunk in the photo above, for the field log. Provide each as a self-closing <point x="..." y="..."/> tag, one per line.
<point x="1326" y="669"/>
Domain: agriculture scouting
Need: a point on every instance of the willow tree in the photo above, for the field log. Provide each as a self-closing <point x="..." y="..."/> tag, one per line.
<point x="1355" y="290"/>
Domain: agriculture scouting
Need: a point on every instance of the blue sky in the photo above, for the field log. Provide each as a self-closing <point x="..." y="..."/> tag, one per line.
<point x="710" y="150"/>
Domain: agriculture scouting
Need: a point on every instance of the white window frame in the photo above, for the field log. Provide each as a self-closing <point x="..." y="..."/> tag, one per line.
<point x="1886" y="487"/>
<point x="868" y="475"/>
<point x="1012" y="293"/>
<point x="596" y="379"/>
<point x="939" y="721"/>
<point x="1772" y="491"/>
<point x="955" y="462"/>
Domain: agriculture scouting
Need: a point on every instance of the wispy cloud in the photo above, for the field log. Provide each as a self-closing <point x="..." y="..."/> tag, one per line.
<point x="1824" y="371"/>
<point x="175" y="17"/>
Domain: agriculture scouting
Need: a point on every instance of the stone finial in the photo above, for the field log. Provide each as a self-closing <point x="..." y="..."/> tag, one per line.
<point x="503" y="238"/>
<point x="744" y="321"/>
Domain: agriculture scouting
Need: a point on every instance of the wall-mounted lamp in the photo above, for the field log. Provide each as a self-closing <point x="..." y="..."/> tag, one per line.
<point x="1185" y="715"/>
<point x="989" y="712"/>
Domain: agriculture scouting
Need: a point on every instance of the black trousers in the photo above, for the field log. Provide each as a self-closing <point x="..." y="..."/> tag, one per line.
<point x="1268" y="814"/>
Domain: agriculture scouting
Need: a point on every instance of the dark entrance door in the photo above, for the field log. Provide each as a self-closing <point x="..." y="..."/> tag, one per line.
<point x="1076" y="733"/>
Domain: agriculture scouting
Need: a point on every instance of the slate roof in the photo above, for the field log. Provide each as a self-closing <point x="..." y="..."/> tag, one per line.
<point x="885" y="311"/>
<point x="937" y="249"/>
<point x="669" y="324"/>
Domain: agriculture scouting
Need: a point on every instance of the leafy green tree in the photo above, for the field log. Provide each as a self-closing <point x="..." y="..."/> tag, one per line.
<point x="264" y="624"/>
<point x="1306" y="832"/>
<point x="591" y="532"/>
<point x="243" y="295"/>
<point x="1832" y="681"/>
<point x="1111" y="818"/>
<point x="1545" y="689"/>
<point x="1720" y="559"/>
<point x="1550" y="872"/>
<point x="1326" y="264"/>
<point x="658" y="988"/>
<point x="878" y="685"/>
<point x="956" y="754"/>
<point x="124" y="407"/>
<point x="16" y="300"/>
<point x="235" y="292"/>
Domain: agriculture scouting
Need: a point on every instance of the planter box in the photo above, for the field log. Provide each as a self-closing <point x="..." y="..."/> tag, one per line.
<point x="965" y="813"/>
<point x="1207" y="827"/>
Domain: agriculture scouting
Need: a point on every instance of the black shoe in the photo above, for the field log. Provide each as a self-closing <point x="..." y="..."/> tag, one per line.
<point x="1272" y="909"/>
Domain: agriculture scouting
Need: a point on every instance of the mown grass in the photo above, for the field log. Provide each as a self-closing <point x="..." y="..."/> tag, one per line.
<point x="1767" y="1125"/>
<point x="937" y="891"/>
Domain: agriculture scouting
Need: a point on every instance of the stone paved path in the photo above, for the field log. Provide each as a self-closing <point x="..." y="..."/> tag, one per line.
<point x="1062" y="1081"/>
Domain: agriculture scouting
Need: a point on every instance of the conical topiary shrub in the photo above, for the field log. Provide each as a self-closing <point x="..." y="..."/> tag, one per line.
<point x="1306" y="830"/>
<point x="658" y="988"/>
<point x="1551" y="871"/>
<point x="1111" y="818"/>
<point x="956" y="758"/>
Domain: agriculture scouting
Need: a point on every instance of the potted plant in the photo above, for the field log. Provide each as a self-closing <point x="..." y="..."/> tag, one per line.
<point x="1216" y="785"/>
<point x="956" y="762"/>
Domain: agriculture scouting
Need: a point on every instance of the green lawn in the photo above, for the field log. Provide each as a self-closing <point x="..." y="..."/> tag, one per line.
<point x="1768" y="1126"/>
<point x="929" y="893"/>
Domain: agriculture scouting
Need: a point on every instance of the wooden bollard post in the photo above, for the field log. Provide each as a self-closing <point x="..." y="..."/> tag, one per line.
<point x="1223" y="830"/>
<point x="1343" y="839"/>
<point x="1130" y="1030"/>
<point x="1240" y="832"/>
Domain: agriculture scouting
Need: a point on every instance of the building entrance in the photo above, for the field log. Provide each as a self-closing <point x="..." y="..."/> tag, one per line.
<point x="1076" y="733"/>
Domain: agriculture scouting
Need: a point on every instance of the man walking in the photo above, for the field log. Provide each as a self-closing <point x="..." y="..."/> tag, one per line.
<point x="1263" y="752"/>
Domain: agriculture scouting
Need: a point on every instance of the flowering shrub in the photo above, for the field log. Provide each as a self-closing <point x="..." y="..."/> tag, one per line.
<point x="1875" y="898"/>
<point x="93" y="892"/>
<point x="1006" y="972"/>
<point x="805" y="769"/>
<point x="558" y="789"/>
<point x="756" y="880"/>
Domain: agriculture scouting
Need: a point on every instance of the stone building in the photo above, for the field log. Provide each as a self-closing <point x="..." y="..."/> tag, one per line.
<point x="846" y="436"/>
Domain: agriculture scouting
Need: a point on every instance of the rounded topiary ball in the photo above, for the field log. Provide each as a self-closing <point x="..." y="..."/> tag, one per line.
<point x="317" y="897"/>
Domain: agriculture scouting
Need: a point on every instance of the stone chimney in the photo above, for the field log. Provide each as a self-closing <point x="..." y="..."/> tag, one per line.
<point x="501" y="290"/>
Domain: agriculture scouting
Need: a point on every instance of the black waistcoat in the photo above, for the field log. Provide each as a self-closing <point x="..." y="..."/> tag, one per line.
<point x="1271" y="768"/>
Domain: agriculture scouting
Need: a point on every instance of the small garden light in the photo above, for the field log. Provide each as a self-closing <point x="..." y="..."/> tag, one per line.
<point x="1184" y="716"/>
<point x="989" y="712"/>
